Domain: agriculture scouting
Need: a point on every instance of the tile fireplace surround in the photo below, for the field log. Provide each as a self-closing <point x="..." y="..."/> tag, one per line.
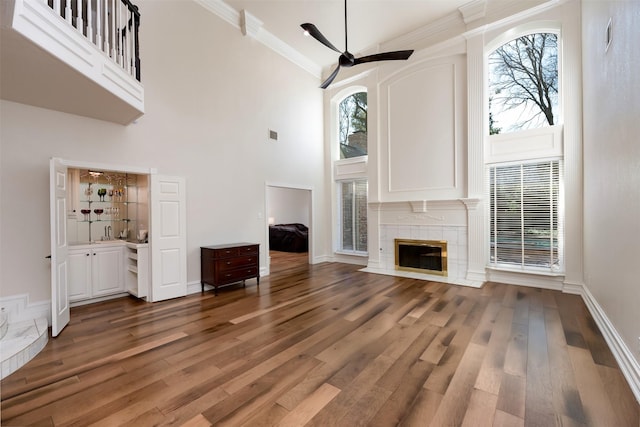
<point x="451" y="220"/>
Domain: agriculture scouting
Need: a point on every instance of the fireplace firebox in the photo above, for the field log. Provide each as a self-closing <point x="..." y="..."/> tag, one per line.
<point x="423" y="256"/>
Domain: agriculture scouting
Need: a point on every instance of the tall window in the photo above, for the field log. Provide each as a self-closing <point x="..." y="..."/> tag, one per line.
<point x="523" y="84"/>
<point x="352" y="125"/>
<point x="353" y="216"/>
<point x="526" y="225"/>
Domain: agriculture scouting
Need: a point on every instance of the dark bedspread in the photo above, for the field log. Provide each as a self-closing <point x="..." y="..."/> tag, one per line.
<point x="289" y="237"/>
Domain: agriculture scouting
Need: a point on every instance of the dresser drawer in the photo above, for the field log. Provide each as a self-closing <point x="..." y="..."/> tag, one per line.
<point x="225" y="253"/>
<point x="225" y="277"/>
<point x="224" y="265"/>
<point x="248" y="250"/>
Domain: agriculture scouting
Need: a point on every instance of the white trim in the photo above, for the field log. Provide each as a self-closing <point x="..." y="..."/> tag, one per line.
<point x="19" y="308"/>
<point x="79" y="164"/>
<point x="223" y="10"/>
<point x="233" y="17"/>
<point x="628" y="364"/>
<point x="526" y="278"/>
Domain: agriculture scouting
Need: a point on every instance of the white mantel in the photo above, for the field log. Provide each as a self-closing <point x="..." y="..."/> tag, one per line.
<point x="424" y="220"/>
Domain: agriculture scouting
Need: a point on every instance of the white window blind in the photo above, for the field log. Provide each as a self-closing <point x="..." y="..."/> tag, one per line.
<point x="526" y="220"/>
<point x="353" y="206"/>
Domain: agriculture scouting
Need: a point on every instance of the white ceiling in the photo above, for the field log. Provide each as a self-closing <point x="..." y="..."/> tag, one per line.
<point x="370" y="22"/>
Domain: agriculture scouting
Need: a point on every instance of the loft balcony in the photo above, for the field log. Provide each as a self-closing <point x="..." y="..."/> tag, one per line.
<point x="76" y="56"/>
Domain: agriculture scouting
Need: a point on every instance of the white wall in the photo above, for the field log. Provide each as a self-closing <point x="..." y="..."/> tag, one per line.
<point x="288" y="205"/>
<point x="211" y="96"/>
<point x="612" y="163"/>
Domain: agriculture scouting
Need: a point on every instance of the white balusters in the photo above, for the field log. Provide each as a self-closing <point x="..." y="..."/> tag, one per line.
<point x="113" y="31"/>
<point x="67" y="11"/>
<point x="79" y="21"/>
<point x="109" y="24"/>
<point x="120" y="36"/>
<point x="89" y="27"/>
<point x="134" y="43"/>
<point x="98" y="26"/>
<point x="56" y="7"/>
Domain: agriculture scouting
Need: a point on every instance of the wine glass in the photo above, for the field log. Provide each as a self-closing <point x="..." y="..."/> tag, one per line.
<point x="98" y="212"/>
<point x="86" y="213"/>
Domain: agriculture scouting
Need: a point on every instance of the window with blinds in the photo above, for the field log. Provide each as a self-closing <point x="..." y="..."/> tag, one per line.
<point x="526" y="221"/>
<point x="353" y="215"/>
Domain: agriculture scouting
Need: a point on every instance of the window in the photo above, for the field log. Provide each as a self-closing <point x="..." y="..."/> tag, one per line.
<point x="526" y="222"/>
<point x="353" y="216"/>
<point x="352" y="125"/>
<point x="523" y="84"/>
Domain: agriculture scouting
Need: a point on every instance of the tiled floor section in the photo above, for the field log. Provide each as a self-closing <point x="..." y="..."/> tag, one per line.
<point x="21" y="343"/>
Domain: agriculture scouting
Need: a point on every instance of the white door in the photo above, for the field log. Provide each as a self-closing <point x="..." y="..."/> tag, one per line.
<point x="168" y="238"/>
<point x="59" y="247"/>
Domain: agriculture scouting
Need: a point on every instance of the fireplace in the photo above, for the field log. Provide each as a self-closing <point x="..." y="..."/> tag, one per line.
<point x="423" y="256"/>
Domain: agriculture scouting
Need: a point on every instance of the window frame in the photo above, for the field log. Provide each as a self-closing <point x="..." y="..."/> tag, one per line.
<point x="558" y="203"/>
<point x="509" y="37"/>
<point x="349" y="169"/>
<point x="524" y="144"/>
<point x="354" y="216"/>
<point x="527" y="145"/>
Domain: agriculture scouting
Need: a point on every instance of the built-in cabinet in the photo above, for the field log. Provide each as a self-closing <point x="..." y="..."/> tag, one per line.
<point x="137" y="269"/>
<point x="107" y="206"/>
<point x="105" y="269"/>
<point x="95" y="272"/>
<point x="107" y="219"/>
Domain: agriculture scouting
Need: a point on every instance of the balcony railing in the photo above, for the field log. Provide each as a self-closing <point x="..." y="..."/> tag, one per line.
<point x="111" y="25"/>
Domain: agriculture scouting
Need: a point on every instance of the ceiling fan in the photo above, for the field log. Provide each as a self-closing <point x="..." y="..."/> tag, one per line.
<point x="346" y="59"/>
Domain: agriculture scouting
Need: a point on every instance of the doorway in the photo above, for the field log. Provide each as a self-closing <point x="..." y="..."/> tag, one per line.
<point x="289" y="225"/>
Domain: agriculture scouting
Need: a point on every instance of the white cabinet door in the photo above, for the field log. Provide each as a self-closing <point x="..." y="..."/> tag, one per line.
<point x="107" y="271"/>
<point x="79" y="262"/>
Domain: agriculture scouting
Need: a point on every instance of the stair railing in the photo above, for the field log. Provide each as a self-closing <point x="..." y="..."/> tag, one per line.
<point x="111" y="25"/>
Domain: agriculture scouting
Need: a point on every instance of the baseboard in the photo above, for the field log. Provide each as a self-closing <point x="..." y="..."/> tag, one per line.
<point x="628" y="364"/>
<point x="520" y="278"/>
<point x="19" y="308"/>
<point x="321" y="259"/>
<point x="195" y="287"/>
<point x="573" y="288"/>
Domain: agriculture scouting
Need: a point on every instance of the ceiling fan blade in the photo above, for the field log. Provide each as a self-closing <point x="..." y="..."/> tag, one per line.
<point x="333" y="75"/>
<point x="316" y="34"/>
<point x="385" y="56"/>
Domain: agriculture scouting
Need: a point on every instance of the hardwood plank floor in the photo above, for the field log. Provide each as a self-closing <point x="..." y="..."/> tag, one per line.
<point x="327" y="345"/>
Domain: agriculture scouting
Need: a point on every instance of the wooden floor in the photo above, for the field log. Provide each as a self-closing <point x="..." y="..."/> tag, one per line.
<point x="327" y="345"/>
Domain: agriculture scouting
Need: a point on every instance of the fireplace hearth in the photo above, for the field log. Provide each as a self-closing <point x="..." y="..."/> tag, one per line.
<point x="423" y="256"/>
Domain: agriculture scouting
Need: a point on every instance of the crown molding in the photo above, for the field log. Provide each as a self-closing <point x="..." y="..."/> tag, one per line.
<point x="249" y="24"/>
<point x="473" y="10"/>
<point x="252" y="27"/>
<point x="223" y="10"/>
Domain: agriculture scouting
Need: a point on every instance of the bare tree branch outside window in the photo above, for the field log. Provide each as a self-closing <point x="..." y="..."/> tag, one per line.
<point x="523" y="83"/>
<point x="352" y="118"/>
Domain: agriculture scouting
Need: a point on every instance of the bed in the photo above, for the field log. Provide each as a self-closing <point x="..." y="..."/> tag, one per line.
<point x="289" y="237"/>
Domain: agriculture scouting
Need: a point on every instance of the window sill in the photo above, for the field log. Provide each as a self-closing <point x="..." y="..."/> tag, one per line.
<point x="523" y="271"/>
<point x="358" y="254"/>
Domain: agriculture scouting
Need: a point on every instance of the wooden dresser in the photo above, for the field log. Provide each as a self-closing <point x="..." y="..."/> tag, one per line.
<point x="230" y="263"/>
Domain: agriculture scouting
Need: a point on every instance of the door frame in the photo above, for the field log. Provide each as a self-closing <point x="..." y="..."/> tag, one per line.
<point x="76" y="164"/>
<point x="266" y="218"/>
